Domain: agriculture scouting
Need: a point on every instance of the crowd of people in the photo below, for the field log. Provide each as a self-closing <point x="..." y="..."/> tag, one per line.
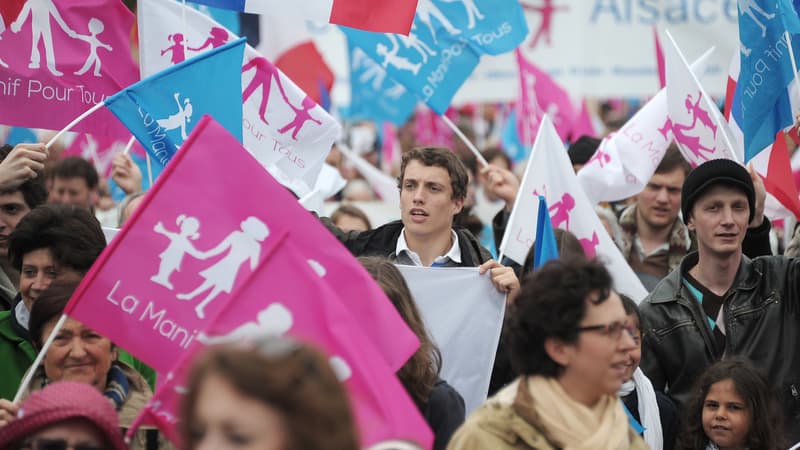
<point x="706" y="360"/>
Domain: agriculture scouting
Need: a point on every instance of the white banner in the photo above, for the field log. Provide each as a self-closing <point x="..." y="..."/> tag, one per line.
<point x="463" y="313"/>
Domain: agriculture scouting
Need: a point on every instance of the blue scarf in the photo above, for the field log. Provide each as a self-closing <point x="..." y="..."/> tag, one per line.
<point x="117" y="386"/>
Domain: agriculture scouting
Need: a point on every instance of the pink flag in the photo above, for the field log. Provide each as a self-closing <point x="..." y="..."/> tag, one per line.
<point x="283" y="127"/>
<point x="306" y="309"/>
<point x="100" y="150"/>
<point x="198" y="239"/>
<point x="583" y="124"/>
<point x="430" y="129"/>
<point x="58" y="58"/>
<point x="539" y="94"/>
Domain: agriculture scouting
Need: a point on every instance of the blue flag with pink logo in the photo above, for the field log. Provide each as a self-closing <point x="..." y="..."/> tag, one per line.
<point x="162" y="109"/>
<point x="446" y="41"/>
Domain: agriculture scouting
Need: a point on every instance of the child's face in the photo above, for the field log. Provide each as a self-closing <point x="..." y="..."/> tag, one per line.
<point x="726" y="418"/>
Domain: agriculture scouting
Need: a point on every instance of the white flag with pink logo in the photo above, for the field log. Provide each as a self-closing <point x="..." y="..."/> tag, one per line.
<point x="58" y="58"/>
<point x="282" y="126"/>
<point x="540" y="95"/>
<point x="628" y="158"/>
<point x="696" y="122"/>
<point x="549" y="173"/>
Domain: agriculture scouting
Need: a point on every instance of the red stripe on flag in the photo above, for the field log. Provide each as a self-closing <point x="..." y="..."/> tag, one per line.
<point x="304" y="65"/>
<point x="779" y="180"/>
<point x="381" y="16"/>
<point x="10" y="9"/>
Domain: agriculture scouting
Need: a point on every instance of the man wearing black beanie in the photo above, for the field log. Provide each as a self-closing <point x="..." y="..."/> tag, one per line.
<point x="719" y="302"/>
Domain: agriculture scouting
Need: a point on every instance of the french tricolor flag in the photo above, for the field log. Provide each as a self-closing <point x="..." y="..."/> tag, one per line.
<point x="381" y="16"/>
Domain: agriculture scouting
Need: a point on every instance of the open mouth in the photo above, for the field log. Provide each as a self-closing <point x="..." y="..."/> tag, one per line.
<point x="418" y="212"/>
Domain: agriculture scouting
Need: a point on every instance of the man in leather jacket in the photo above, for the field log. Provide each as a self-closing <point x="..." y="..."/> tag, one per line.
<point x="718" y="302"/>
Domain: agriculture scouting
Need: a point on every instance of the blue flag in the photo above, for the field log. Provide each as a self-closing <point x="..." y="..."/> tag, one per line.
<point x="162" y="109"/>
<point x="20" y="135"/>
<point x="512" y="144"/>
<point x="761" y="101"/>
<point x="373" y="95"/>
<point x="445" y="44"/>
<point x="545" y="247"/>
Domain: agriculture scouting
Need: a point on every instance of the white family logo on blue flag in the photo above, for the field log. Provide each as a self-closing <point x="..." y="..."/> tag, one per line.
<point x="446" y="41"/>
<point x="761" y="102"/>
<point x="162" y="109"/>
<point x="374" y="95"/>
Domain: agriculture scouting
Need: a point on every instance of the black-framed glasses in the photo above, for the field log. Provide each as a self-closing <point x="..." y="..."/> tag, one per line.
<point x="58" y="444"/>
<point x="612" y="330"/>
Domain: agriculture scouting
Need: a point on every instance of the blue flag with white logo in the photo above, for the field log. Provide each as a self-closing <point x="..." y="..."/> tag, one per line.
<point x="545" y="246"/>
<point x="761" y="101"/>
<point x="512" y="144"/>
<point x="374" y="95"/>
<point x="445" y="44"/>
<point x="162" y="109"/>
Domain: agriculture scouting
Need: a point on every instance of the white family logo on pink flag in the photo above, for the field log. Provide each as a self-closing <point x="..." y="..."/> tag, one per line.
<point x="100" y="150"/>
<point x="628" y="158"/>
<point x="549" y="173"/>
<point x="282" y="126"/>
<point x="63" y="57"/>
<point x="540" y="95"/>
<point x="198" y="239"/>
<point x="289" y="297"/>
<point x="694" y="118"/>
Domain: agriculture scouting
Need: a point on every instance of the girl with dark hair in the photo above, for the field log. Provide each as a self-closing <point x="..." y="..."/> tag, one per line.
<point x="440" y="404"/>
<point x="733" y="407"/>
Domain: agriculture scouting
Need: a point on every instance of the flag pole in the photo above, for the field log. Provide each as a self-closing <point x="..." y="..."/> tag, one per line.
<point x="791" y="57"/>
<point x="149" y="169"/>
<point x="127" y="150"/>
<point x="26" y="381"/>
<point x="466" y="141"/>
<point x="73" y="123"/>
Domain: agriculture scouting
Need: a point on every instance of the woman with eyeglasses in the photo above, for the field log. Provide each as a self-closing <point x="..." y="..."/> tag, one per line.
<point x="268" y="394"/>
<point x="569" y="340"/>
<point x="66" y="415"/>
<point x="79" y="354"/>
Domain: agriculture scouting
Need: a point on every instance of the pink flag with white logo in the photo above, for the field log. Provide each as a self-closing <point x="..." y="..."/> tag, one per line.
<point x="58" y="58"/>
<point x="540" y="95"/>
<point x="283" y="127"/>
<point x="549" y="173"/>
<point x="99" y="150"/>
<point x="308" y="310"/>
<point x="627" y="158"/>
<point x="198" y="239"/>
<point x="696" y="122"/>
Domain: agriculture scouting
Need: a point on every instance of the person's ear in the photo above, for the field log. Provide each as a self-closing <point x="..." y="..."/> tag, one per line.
<point x="558" y="351"/>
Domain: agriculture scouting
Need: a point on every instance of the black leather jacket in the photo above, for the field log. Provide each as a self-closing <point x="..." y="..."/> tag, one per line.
<point x="762" y="323"/>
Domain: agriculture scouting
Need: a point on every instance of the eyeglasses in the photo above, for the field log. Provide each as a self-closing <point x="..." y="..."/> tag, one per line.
<point x="612" y="330"/>
<point x="58" y="444"/>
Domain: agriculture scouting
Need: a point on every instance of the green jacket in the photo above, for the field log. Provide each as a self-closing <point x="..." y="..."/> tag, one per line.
<point x="16" y="356"/>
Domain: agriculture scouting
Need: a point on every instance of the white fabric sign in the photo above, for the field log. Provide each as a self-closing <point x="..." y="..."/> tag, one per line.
<point x="463" y="313"/>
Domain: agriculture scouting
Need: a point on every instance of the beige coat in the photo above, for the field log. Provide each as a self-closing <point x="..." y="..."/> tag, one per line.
<point x="507" y="422"/>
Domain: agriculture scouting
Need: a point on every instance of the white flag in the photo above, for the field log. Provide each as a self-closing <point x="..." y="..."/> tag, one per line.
<point x="549" y="173"/>
<point x="282" y="126"/>
<point x="627" y="158"/>
<point x="383" y="185"/>
<point x="697" y="125"/>
<point x="463" y="312"/>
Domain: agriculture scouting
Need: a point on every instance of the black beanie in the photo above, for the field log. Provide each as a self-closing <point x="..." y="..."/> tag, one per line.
<point x="716" y="171"/>
<point x="582" y="150"/>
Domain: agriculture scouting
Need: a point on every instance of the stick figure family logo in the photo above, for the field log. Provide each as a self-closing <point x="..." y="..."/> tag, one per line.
<point x="264" y="74"/>
<point x="40" y="13"/>
<point x="427" y="13"/>
<point x="560" y="213"/>
<point x="546" y="10"/>
<point x="750" y="8"/>
<point x="684" y="134"/>
<point x="241" y="245"/>
<point x="180" y="119"/>
<point x="372" y="73"/>
<point x="276" y="320"/>
<point x="217" y="37"/>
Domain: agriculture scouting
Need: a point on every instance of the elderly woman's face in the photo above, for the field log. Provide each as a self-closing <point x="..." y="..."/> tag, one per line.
<point x="39" y="269"/>
<point x="78" y="354"/>
<point x="224" y="419"/>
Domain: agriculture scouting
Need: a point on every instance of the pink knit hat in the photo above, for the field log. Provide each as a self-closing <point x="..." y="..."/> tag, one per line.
<point x="62" y="401"/>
